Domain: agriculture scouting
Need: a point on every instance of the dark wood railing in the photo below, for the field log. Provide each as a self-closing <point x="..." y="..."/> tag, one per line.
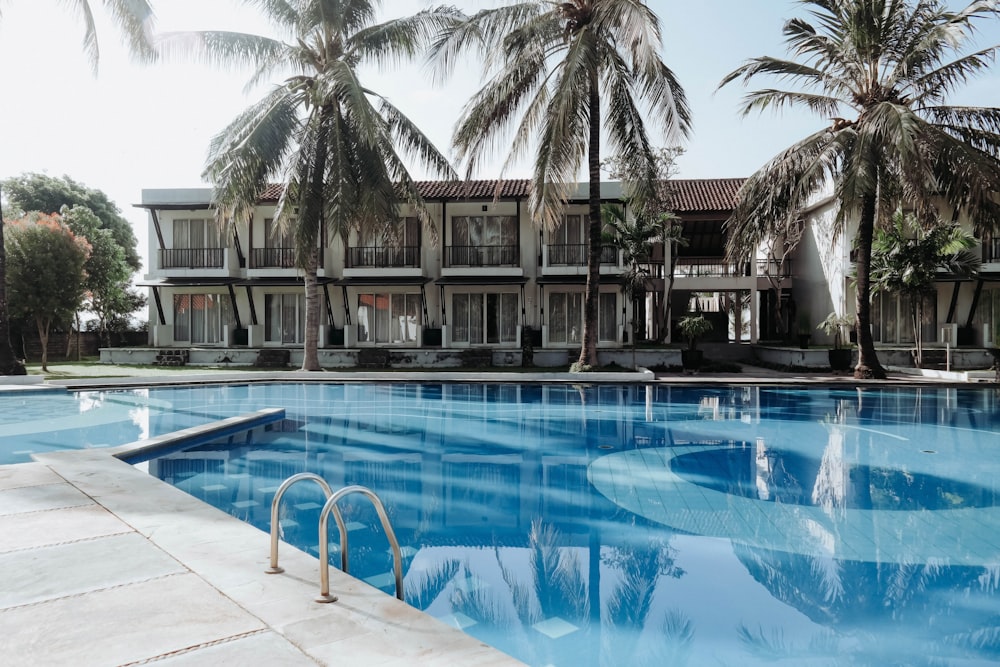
<point x="690" y="267"/>
<point x="273" y="258"/>
<point x="383" y="257"/>
<point x="192" y="258"/>
<point x="774" y="268"/>
<point x="483" y="255"/>
<point x="991" y="250"/>
<point x="575" y="254"/>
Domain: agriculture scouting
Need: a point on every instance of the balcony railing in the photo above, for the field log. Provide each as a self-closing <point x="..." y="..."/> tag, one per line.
<point x="714" y="268"/>
<point x="483" y="255"/>
<point x="273" y="258"/>
<point x="991" y="250"/>
<point x="575" y="254"/>
<point x="192" y="258"/>
<point x="774" y="268"/>
<point x="375" y="257"/>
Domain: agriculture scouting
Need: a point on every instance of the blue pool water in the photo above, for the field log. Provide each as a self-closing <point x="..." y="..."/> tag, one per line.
<point x="631" y="525"/>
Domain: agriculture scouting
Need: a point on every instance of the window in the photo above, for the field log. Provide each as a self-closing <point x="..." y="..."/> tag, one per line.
<point x="200" y="318"/>
<point x="484" y="318"/>
<point x="197" y="233"/>
<point x="892" y="318"/>
<point x="388" y="318"/>
<point x="489" y="240"/>
<point x="566" y="317"/>
<point x="279" y="236"/>
<point x="284" y="318"/>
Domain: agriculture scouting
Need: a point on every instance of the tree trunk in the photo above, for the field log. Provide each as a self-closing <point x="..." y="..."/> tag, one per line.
<point x="9" y="363"/>
<point x="310" y="354"/>
<point x="43" y="337"/>
<point x="868" y="365"/>
<point x="307" y="239"/>
<point x="588" y="350"/>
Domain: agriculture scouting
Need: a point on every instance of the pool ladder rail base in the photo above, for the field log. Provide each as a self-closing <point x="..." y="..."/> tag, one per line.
<point x="332" y="498"/>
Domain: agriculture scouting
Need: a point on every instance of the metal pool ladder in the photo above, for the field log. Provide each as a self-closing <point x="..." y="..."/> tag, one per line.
<point x="332" y="499"/>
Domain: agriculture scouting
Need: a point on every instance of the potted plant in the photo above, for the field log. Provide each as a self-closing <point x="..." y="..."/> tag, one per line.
<point x="804" y="334"/>
<point x="692" y="327"/>
<point x="834" y="325"/>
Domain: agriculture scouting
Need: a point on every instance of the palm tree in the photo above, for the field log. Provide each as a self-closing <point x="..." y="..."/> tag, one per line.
<point x="891" y="64"/>
<point x="558" y="67"/>
<point x="906" y="257"/>
<point x="135" y="21"/>
<point x="338" y="146"/>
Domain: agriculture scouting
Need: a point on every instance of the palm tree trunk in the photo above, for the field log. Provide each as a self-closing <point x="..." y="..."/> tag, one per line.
<point x="310" y="354"/>
<point x="9" y="363"/>
<point x="588" y="351"/>
<point x="308" y="240"/>
<point x="868" y="365"/>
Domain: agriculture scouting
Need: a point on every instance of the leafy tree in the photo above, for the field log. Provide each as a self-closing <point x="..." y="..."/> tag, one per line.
<point x="108" y="291"/>
<point x="135" y="21"/>
<point x="907" y="256"/>
<point x="892" y="64"/>
<point x="557" y="67"/>
<point x="47" y="194"/>
<point x="338" y="145"/>
<point x="670" y="231"/>
<point x="45" y="273"/>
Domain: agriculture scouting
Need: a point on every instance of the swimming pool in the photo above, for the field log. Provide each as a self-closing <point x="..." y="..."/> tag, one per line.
<point x="639" y="525"/>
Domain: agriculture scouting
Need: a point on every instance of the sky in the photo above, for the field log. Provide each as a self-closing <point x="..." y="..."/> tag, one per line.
<point x="139" y="126"/>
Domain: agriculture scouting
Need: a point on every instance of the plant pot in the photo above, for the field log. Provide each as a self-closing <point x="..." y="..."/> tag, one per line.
<point x="691" y="359"/>
<point x="804" y="341"/>
<point x="241" y="336"/>
<point x="840" y="358"/>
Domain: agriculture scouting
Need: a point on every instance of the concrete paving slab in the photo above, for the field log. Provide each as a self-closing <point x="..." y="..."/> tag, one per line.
<point x="262" y="648"/>
<point x="37" y="575"/>
<point x="41" y="497"/>
<point x="26" y="474"/>
<point x="39" y="529"/>
<point x="124" y="624"/>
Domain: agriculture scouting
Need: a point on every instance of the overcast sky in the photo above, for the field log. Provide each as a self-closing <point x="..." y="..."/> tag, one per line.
<point x="135" y="127"/>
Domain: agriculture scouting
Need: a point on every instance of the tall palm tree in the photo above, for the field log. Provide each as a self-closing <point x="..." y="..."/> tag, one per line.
<point x="337" y="145"/>
<point x="881" y="71"/>
<point x="558" y="67"/>
<point x="135" y="21"/>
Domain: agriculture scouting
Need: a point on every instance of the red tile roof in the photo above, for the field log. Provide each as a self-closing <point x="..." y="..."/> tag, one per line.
<point x="704" y="194"/>
<point x="689" y="195"/>
<point x="508" y="189"/>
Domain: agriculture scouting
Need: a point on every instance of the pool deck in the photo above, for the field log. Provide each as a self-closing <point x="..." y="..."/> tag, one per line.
<point x="101" y="564"/>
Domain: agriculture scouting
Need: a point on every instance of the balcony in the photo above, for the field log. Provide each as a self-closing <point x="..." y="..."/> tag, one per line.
<point x="774" y="268"/>
<point x="575" y="254"/>
<point x="376" y="257"/>
<point x="701" y="267"/>
<point x="483" y="255"/>
<point x="273" y="258"/>
<point x="192" y="258"/>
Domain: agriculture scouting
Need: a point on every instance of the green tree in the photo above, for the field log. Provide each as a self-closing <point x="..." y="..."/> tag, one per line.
<point x="48" y="194"/>
<point x="892" y="65"/>
<point x="337" y="145"/>
<point x="559" y="74"/>
<point x="45" y="273"/>
<point x="671" y="230"/>
<point x="109" y="295"/>
<point x="134" y="19"/>
<point x="906" y="257"/>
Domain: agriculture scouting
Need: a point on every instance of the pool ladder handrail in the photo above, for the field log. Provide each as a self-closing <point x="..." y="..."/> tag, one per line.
<point x="324" y="544"/>
<point x="324" y="518"/>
